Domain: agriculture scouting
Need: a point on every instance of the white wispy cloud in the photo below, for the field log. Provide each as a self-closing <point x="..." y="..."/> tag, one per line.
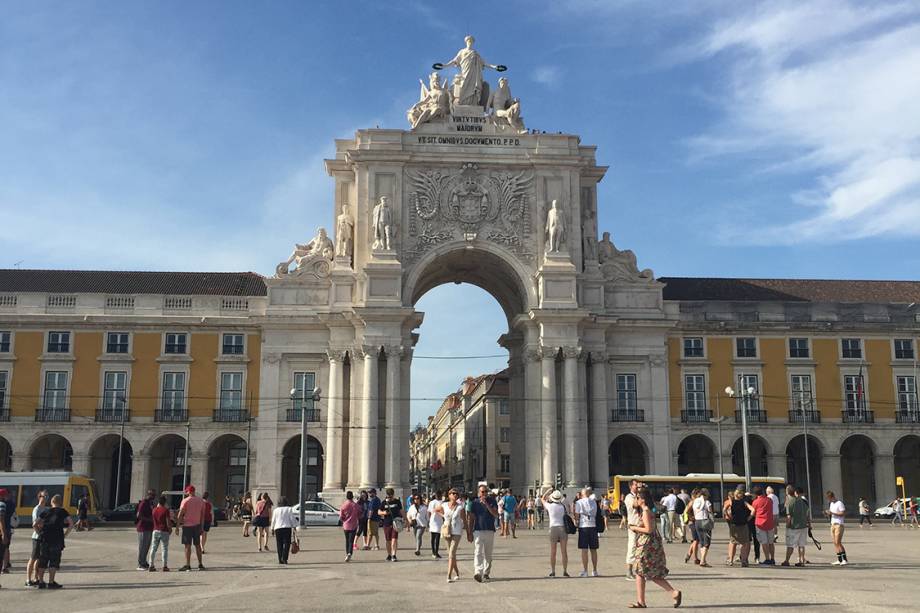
<point x="831" y="88"/>
<point x="547" y="75"/>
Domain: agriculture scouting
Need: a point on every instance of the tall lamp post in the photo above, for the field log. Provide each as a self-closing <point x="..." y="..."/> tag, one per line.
<point x="805" y="443"/>
<point x="121" y="445"/>
<point x="188" y="434"/>
<point x="717" y="420"/>
<point x="745" y="394"/>
<point x="314" y="396"/>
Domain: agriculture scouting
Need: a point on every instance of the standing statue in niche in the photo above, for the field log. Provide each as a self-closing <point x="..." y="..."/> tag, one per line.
<point x="434" y="102"/>
<point x="473" y="90"/>
<point x="344" y="233"/>
<point x="506" y="110"/>
<point x="555" y="229"/>
<point x="383" y="225"/>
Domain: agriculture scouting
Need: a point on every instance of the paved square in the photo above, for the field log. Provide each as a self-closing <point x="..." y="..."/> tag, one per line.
<point x="99" y="577"/>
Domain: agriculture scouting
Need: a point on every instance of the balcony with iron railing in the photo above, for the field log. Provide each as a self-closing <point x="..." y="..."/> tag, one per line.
<point x="113" y="415"/>
<point x="50" y="414"/>
<point x="811" y="416"/>
<point x="696" y="416"/>
<point x="907" y="416"/>
<point x="627" y="415"/>
<point x="4" y="414"/>
<point x="170" y="415"/>
<point x="231" y="415"/>
<point x="857" y="416"/>
<point x="293" y="414"/>
<point x="753" y="416"/>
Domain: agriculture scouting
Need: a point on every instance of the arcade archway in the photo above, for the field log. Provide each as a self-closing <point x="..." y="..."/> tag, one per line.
<point x="103" y="467"/>
<point x="696" y="454"/>
<point x="627" y="456"/>
<point x="290" y="469"/>
<point x="51" y="452"/>
<point x="796" y="472"/>
<point x="757" y="451"/>
<point x="6" y="455"/>
<point x="167" y="467"/>
<point x="907" y="462"/>
<point x="226" y="467"/>
<point x="857" y="470"/>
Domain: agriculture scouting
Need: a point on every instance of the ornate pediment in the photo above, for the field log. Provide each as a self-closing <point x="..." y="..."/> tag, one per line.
<point x="468" y="204"/>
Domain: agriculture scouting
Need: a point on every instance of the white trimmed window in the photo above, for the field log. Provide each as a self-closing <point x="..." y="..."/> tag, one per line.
<point x="5" y="338"/>
<point x="798" y="348"/>
<point x="746" y="347"/>
<point x="231" y="391"/>
<point x="801" y="393"/>
<point x="854" y="392"/>
<point x="302" y="400"/>
<point x="116" y="342"/>
<point x="695" y="393"/>
<point x="4" y="384"/>
<point x="173" y="399"/>
<point x="505" y="435"/>
<point x="233" y="344"/>
<point x="176" y="343"/>
<point x="114" y="393"/>
<point x="503" y="407"/>
<point x="753" y="401"/>
<point x="627" y="399"/>
<point x="907" y="394"/>
<point x="59" y="342"/>
<point x="904" y="349"/>
<point x="504" y="464"/>
<point x="55" y="390"/>
<point x="693" y="347"/>
<point x="851" y="348"/>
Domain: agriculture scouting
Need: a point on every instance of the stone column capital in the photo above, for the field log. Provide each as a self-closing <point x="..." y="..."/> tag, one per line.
<point x="598" y="357"/>
<point x="366" y="351"/>
<point x="532" y="355"/>
<point x="548" y="353"/>
<point x="571" y="352"/>
<point x="336" y="355"/>
<point x="395" y="351"/>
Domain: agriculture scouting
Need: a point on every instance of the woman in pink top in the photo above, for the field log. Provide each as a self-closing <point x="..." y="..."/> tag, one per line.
<point x="349" y="514"/>
<point x="262" y="520"/>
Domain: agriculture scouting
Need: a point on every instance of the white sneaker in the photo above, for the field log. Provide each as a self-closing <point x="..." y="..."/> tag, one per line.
<point x="583" y="573"/>
<point x="844" y="563"/>
<point x="836" y="563"/>
<point x="594" y="574"/>
<point x="348" y="558"/>
<point x="630" y="577"/>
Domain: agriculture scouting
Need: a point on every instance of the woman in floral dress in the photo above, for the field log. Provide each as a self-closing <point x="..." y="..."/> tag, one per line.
<point x="651" y="563"/>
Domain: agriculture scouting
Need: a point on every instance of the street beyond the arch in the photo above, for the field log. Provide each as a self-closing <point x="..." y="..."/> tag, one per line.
<point x="100" y="578"/>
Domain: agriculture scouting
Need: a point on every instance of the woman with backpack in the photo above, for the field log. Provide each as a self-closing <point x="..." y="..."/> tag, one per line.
<point x="559" y="530"/>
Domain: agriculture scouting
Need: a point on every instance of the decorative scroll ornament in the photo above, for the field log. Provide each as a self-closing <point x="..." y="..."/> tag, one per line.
<point x="451" y="206"/>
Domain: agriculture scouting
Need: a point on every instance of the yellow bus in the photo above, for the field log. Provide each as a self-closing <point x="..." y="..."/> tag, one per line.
<point x="24" y="488"/>
<point x="711" y="481"/>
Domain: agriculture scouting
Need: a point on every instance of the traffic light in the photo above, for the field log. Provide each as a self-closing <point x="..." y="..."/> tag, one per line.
<point x="558" y="481"/>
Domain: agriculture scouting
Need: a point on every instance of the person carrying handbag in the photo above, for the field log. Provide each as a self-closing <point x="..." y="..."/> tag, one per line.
<point x="282" y="527"/>
<point x="452" y="530"/>
<point x="559" y="530"/>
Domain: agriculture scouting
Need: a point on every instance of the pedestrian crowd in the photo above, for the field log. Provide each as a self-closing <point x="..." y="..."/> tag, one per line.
<point x="449" y="518"/>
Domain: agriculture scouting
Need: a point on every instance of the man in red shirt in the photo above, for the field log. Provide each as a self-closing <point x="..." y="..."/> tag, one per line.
<point x="765" y="524"/>
<point x="162" y="527"/>
<point x="190" y="518"/>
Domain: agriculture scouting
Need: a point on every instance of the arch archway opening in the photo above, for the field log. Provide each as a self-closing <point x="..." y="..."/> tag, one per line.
<point x="167" y="467"/>
<point x="857" y="470"/>
<point x="103" y="468"/>
<point x="796" y="473"/>
<point x="907" y="462"/>
<point x="290" y="469"/>
<point x="226" y="468"/>
<point x="757" y="451"/>
<point x="627" y="456"/>
<point x="696" y="454"/>
<point x="6" y="455"/>
<point x="51" y="452"/>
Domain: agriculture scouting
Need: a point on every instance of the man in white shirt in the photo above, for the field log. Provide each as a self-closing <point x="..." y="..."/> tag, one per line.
<point x="586" y="516"/>
<point x="836" y="511"/>
<point x="632" y="519"/>
<point x="669" y="504"/>
<point x="435" y="522"/>
<point x="771" y="494"/>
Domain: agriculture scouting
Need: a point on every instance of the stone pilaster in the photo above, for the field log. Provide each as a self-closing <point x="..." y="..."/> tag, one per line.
<point x="885" y="487"/>
<point x="600" y="470"/>
<point x="369" y="418"/>
<point x="140" y="469"/>
<point x="830" y="477"/>
<point x="572" y="418"/>
<point x="332" y="479"/>
<point x="392" y="436"/>
<point x="532" y="410"/>
<point x="548" y="414"/>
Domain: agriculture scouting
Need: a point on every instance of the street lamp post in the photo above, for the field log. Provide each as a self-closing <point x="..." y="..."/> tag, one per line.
<point x="315" y="396"/>
<point x="121" y="445"/>
<point x="745" y="394"/>
<point x="188" y="434"/>
<point x="718" y="422"/>
<point x="807" y="466"/>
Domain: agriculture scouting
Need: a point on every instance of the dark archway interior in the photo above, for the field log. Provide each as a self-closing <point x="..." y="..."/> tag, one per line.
<point x="626" y="456"/>
<point x="757" y="450"/>
<point x="103" y="467"/>
<point x="696" y="454"/>
<point x="226" y="468"/>
<point x="6" y="455"/>
<point x="290" y="469"/>
<point x="857" y="468"/>
<point x="907" y="463"/>
<point x="51" y="452"/>
<point x="476" y="267"/>
<point x="796" y="473"/>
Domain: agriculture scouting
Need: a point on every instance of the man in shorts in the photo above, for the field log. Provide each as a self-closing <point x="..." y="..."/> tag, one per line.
<point x="373" y="519"/>
<point x="764" y="525"/>
<point x="797" y="526"/>
<point x="586" y="516"/>
<point x="190" y="518"/>
<point x="32" y="566"/>
<point x="836" y="512"/>
<point x="83" y="514"/>
<point x="51" y="526"/>
<point x="390" y="510"/>
<point x="509" y="514"/>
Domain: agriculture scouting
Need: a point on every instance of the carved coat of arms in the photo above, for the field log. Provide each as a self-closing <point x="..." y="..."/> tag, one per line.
<point x="467" y="204"/>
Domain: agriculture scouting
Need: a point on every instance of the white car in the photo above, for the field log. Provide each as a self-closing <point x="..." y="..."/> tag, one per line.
<point x="888" y="511"/>
<point x="318" y="513"/>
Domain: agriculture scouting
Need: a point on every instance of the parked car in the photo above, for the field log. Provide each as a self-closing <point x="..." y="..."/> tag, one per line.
<point x="123" y="512"/>
<point x="887" y="511"/>
<point x="318" y="513"/>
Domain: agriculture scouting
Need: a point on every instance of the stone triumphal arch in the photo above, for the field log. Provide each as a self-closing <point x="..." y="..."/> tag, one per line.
<point x="467" y="194"/>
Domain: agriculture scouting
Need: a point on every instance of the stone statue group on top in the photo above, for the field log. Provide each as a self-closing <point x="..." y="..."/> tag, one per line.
<point x="438" y="100"/>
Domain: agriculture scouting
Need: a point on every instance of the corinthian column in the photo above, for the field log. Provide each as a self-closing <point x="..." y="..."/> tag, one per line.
<point x="392" y="451"/>
<point x="548" y="414"/>
<point x="600" y="470"/>
<point x="571" y="418"/>
<point x="332" y="479"/>
<point x="369" y="419"/>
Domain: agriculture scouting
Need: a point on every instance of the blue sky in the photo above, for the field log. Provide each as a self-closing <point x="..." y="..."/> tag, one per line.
<point x="773" y="139"/>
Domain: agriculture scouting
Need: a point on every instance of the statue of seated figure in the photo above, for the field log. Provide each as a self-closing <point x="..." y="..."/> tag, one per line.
<point x="616" y="264"/>
<point x="434" y="102"/>
<point x="505" y="110"/>
<point x="320" y="248"/>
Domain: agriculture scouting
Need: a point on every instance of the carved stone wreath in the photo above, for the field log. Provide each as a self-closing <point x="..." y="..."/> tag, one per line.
<point x="468" y="204"/>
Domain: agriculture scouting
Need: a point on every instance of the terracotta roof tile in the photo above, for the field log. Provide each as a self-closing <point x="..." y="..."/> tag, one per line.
<point x="132" y="282"/>
<point x="790" y="290"/>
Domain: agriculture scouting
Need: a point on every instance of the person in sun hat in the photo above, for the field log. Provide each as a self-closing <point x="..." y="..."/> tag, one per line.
<point x="555" y="509"/>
